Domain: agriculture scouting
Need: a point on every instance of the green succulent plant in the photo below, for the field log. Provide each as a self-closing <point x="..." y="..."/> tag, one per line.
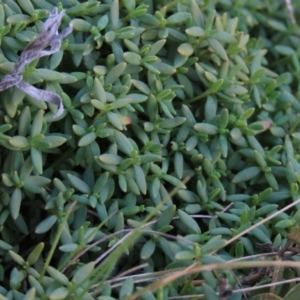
<point x="179" y="133"/>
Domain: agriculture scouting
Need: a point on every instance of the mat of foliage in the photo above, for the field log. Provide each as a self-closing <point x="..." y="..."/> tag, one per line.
<point x="200" y="96"/>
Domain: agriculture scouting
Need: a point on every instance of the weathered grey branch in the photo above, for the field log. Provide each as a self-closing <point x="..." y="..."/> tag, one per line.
<point x="9" y="81"/>
<point x="48" y="36"/>
<point x="47" y="96"/>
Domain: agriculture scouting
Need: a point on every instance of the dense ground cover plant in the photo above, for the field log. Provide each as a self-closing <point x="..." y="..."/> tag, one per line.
<point x="180" y="132"/>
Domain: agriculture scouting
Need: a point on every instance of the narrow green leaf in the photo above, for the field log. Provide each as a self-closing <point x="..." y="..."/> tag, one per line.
<point x="195" y="31"/>
<point x="123" y="143"/>
<point x="209" y="292"/>
<point x="148" y="249"/>
<point x="166" y="217"/>
<point x="132" y="58"/>
<point x="177" y="18"/>
<point x="115" y="73"/>
<point x="246" y="174"/>
<point x="46" y="224"/>
<point x="79" y="184"/>
<point x="59" y="294"/>
<point x="17" y="258"/>
<point x="140" y="178"/>
<point x="37" y="123"/>
<point x="214" y="244"/>
<point x="184" y="255"/>
<point x="87" y="139"/>
<point x="15" y="203"/>
<point x="35" y="254"/>
<point x="218" y="48"/>
<point x="293" y="293"/>
<point x="185" y="49"/>
<point x="188" y="196"/>
<point x="206" y="128"/>
<point x="174" y="181"/>
<point x="58" y="276"/>
<point x="110" y="159"/>
<point x="99" y="90"/>
<point x="83" y="273"/>
<point x="188" y="221"/>
<point x="37" y="161"/>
